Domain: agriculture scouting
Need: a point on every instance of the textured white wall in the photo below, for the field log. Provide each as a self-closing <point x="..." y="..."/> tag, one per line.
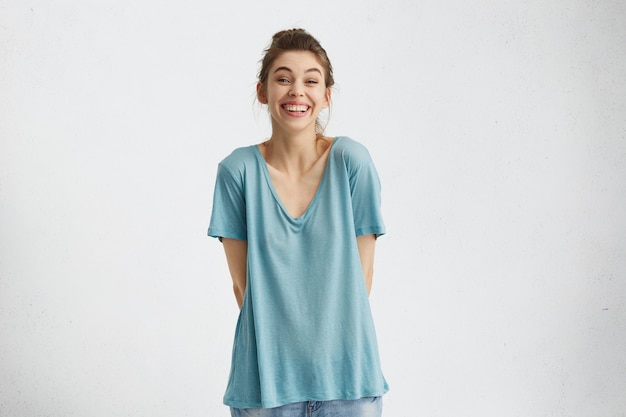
<point x="499" y="131"/>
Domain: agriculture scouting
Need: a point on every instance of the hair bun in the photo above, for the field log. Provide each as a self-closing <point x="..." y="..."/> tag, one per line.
<point x="290" y="33"/>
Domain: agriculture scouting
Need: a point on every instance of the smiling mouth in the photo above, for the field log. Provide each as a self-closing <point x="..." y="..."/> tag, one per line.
<point x="296" y="108"/>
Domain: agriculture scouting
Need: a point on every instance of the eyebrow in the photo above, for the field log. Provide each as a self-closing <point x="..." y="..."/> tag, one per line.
<point x="289" y="70"/>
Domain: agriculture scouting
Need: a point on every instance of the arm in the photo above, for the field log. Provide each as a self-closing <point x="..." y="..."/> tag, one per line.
<point x="366" y="245"/>
<point x="237" y="259"/>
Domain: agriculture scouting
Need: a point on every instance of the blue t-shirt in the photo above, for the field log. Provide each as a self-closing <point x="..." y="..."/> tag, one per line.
<point x="305" y="330"/>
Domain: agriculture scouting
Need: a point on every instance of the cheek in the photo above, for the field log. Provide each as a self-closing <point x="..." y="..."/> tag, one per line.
<point x="324" y="98"/>
<point x="274" y="93"/>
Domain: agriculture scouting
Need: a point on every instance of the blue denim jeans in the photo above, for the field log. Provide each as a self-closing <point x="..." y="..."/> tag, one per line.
<point x="365" y="407"/>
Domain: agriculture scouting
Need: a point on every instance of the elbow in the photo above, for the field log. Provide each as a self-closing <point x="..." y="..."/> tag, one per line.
<point x="369" y="278"/>
<point x="239" y="294"/>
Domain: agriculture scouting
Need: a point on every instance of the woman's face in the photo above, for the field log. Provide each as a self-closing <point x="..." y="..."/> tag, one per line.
<point x="295" y="91"/>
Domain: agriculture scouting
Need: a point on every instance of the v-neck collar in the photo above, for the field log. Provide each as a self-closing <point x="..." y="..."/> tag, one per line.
<point x="270" y="184"/>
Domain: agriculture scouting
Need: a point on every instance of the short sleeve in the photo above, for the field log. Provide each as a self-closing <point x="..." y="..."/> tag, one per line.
<point x="228" y="217"/>
<point x="365" y="191"/>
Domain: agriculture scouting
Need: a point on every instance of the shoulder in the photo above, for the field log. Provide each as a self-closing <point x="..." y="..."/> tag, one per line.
<point x="238" y="160"/>
<point x="351" y="151"/>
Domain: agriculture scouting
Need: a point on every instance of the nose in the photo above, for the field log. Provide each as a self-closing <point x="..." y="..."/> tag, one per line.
<point x="296" y="90"/>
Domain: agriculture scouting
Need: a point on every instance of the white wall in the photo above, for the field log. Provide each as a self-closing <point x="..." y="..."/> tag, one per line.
<point x="499" y="131"/>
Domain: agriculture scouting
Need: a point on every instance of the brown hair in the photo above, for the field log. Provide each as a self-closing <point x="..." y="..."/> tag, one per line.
<point x="295" y="40"/>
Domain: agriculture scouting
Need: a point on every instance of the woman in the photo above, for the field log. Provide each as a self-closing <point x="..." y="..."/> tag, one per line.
<point x="298" y="216"/>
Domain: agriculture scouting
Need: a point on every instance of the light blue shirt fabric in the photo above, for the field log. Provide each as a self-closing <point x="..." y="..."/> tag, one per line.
<point x="305" y="330"/>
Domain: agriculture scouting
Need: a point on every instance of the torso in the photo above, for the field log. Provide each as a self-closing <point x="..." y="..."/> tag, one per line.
<point x="304" y="277"/>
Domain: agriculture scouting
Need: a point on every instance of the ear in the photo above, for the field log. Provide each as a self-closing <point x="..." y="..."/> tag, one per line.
<point x="327" y="98"/>
<point x="260" y="93"/>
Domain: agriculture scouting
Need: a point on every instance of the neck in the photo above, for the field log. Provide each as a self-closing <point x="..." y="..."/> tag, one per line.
<point x="294" y="152"/>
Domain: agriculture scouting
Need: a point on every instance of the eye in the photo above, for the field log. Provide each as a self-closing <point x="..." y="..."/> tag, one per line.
<point x="313" y="82"/>
<point x="283" y="80"/>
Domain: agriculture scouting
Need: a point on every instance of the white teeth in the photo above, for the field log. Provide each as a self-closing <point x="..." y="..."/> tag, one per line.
<point x="294" y="107"/>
